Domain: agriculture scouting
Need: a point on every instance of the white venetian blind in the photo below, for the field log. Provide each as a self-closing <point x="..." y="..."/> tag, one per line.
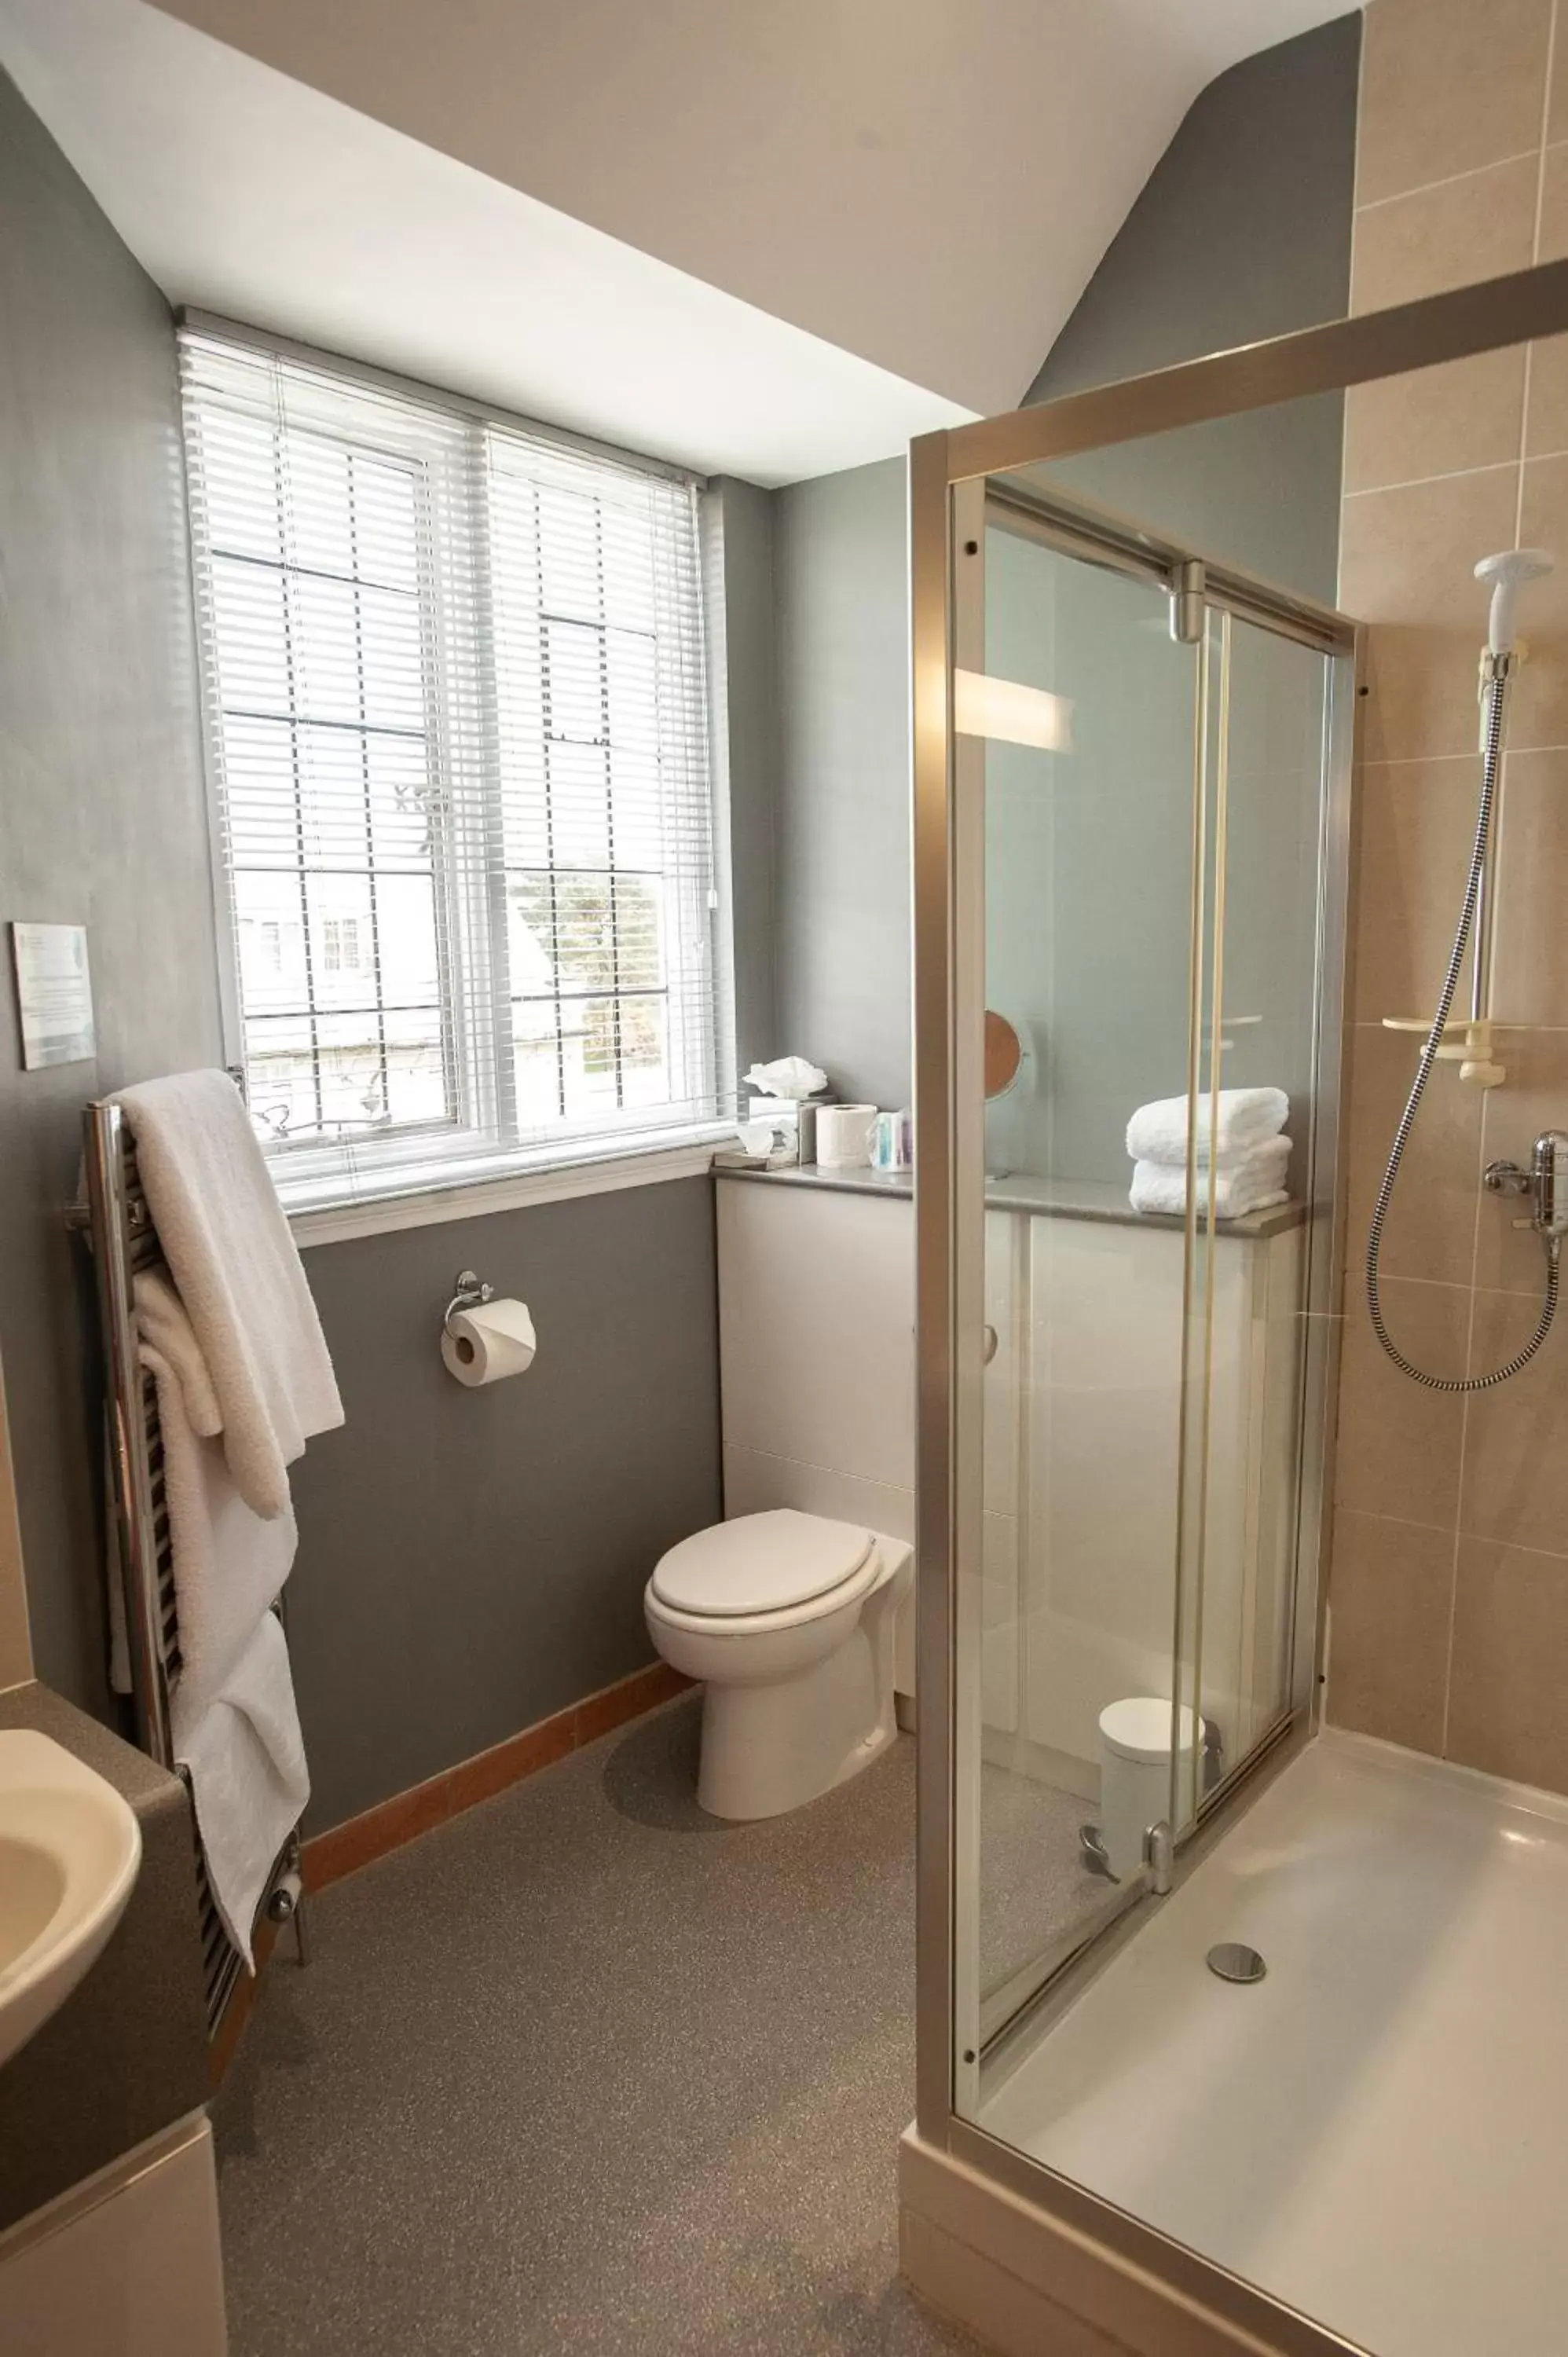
<point x="454" y="679"/>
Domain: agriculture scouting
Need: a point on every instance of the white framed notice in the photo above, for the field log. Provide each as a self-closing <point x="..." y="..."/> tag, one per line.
<point x="54" y="993"/>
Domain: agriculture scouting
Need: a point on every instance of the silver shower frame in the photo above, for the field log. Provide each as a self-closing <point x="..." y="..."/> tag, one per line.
<point x="948" y="473"/>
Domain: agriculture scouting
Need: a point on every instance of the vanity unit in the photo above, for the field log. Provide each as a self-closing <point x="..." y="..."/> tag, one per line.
<point x="109" y="2242"/>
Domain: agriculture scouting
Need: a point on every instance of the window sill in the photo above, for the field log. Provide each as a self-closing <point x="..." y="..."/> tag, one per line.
<point x="468" y="1199"/>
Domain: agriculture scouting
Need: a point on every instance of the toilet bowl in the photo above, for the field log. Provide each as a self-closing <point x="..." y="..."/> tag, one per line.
<point x="788" y="1620"/>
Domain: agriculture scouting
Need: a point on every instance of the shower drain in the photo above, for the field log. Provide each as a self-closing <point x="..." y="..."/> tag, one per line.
<point x="1234" y="1961"/>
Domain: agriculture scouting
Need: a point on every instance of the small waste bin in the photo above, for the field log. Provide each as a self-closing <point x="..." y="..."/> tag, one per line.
<point x="1135" y="1775"/>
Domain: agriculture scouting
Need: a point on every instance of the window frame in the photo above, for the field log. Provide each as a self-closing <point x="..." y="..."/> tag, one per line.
<point x="319" y="1179"/>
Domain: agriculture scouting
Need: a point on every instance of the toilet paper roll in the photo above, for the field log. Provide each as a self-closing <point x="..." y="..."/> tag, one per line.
<point x="844" y="1135"/>
<point x="488" y="1342"/>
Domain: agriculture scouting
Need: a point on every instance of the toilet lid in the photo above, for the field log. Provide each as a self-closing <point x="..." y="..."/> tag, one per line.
<point x="760" y="1562"/>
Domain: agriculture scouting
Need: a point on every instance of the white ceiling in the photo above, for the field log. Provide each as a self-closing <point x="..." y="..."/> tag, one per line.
<point x="759" y="240"/>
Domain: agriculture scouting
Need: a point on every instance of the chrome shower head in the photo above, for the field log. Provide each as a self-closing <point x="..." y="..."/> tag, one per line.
<point x="1506" y="572"/>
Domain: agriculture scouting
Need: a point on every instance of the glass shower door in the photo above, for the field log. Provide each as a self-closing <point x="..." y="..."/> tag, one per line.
<point x="1084" y="738"/>
<point x="1138" y="778"/>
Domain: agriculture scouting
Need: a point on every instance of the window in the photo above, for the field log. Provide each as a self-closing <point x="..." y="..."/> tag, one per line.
<point x="455" y="673"/>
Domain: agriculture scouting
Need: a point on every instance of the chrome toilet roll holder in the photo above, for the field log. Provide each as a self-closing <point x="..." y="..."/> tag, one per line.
<point x="468" y="1291"/>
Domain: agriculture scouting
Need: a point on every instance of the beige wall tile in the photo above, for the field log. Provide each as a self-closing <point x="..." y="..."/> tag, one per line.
<point x="1418" y="823"/>
<point x="1506" y="1710"/>
<point x="1537" y="703"/>
<point x="1552" y="230"/>
<point x="1557" y="105"/>
<point x="1399" y="1446"/>
<point x="1516" y="1438"/>
<point x="1407" y="560"/>
<point x="1534" y="1097"/>
<point x="1479" y="226"/>
<point x="1546" y="412"/>
<point x="1389" y="1598"/>
<point x="1439" y="421"/>
<point x="1530" y="947"/>
<point x="1430" y="1229"/>
<point x="1445" y="85"/>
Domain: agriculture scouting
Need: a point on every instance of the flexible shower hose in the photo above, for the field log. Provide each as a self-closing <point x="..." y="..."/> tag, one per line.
<point x="1491" y="763"/>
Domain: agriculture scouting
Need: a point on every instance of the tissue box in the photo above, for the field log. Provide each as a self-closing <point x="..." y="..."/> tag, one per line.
<point x="794" y="1123"/>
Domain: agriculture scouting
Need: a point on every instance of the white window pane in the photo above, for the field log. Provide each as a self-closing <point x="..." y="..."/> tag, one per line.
<point x="258" y="776"/>
<point x="628" y="543"/>
<point x="332" y="832"/>
<point x="640" y="820"/>
<point x="324" y="645"/>
<point x="268" y="925"/>
<point x="537" y="1063"/>
<point x="631" y="694"/>
<point x="391" y="659"/>
<point x="574" y="682"/>
<point x="386" y="528"/>
<point x="253" y="637"/>
<point x="570" y="564"/>
<point x="321" y="532"/>
<point x="578" y="809"/>
<point x="239" y="484"/>
<point x="405" y="801"/>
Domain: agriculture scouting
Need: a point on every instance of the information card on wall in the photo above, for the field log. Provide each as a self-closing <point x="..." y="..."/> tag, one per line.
<point x="54" y="993"/>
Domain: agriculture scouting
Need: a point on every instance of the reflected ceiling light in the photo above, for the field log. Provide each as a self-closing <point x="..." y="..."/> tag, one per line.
<point x="1007" y="710"/>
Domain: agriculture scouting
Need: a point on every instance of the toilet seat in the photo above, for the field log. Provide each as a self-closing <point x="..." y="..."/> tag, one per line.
<point x="763" y="1566"/>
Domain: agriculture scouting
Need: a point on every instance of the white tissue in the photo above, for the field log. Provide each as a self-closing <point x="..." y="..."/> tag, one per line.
<point x="787" y="1076"/>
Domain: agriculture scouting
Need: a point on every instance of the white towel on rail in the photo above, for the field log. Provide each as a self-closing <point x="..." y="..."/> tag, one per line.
<point x="1254" y="1184"/>
<point x="248" y="1777"/>
<point x="238" y="1274"/>
<point x="228" y="1564"/>
<point x="1247" y="1117"/>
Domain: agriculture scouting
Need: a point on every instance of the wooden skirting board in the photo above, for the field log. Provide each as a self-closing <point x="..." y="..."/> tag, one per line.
<point x="344" y="1848"/>
<point x="330" y="1856"/>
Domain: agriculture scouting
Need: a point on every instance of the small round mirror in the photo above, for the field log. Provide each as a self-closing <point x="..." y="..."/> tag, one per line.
<point x="1003" y="1054"/>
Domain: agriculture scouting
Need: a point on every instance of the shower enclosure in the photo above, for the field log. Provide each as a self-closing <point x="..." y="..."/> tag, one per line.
<point x="1134" y="752"/>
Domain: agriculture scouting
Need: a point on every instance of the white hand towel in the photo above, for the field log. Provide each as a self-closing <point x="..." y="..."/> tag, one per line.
<point x="1247" y="1117"/>
<point x="248" y="1776"/>
<point x="1254" y="1184"/>
<point x="228" y="1564"/>
<point x="236" y="1270"/>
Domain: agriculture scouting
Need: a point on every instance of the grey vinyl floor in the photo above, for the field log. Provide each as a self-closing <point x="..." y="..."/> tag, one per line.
<point x="587" y="2070"/>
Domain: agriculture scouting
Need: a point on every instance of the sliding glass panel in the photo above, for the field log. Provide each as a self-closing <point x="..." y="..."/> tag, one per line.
<point x="1259" y="1035"/>
<point x="1086" y="726"/>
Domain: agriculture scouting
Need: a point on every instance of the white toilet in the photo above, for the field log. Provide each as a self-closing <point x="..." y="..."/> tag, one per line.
<point x="788" y="1621"/>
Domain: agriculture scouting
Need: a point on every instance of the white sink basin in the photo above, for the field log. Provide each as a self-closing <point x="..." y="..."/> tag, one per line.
<point x="69" y="1851"/>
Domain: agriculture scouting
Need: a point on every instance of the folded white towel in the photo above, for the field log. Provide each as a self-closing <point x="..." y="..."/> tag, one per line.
<point x="228" y="1564"/>
<point x="238" y="1274"/>
<point x="1253" y="1184"/>
<point x="1247" y="1117"/>
<point x="248" y="1775"/>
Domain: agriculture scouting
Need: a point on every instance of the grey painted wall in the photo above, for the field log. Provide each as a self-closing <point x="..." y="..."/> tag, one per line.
<point x="1243" y="230"/>
<point x="471" y="1561"/>
<point x="842" y="876"/>
<point x="738" y="542"/>
<point x="102" y="812"/>
<point x="1243" y="227"/>
<point x="468" y="1562"/>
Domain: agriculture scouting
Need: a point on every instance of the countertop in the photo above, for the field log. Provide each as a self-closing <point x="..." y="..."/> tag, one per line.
<point x="1051" y="1198"/>
<point x="126" y="2053"/>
